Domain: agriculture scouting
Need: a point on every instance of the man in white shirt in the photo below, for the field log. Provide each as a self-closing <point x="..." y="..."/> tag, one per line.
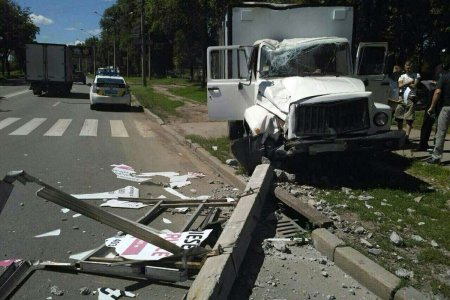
<point x="405" y="111"/>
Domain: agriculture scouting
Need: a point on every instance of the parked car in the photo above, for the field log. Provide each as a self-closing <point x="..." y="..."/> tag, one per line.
<point x="79" y="77"/>
<point x="109" y="90"/>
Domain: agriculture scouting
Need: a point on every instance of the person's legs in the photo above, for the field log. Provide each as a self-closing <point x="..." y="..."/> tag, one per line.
<point x="409" y="125"/>
<point x="399" y="124"/>
<point x="425" y="131"/>
<point x="442" y="127"/>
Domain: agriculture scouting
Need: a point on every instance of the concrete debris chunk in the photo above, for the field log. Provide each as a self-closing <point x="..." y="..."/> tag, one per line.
<point x="54" y="290"/>
<point x="346" y="190"/>
<point x="374" y="251"/>
<point x="403" y="273"/>
<point x="365" y="197"/>
<point x="434" y="244"/>
<point x="324" y="274"/>
<point x="51" y="233"/>
<point x="417" y="238"/>
<point x="418" y="199"/>
<point x="410" y="210"/>
<point x="365" y="243"/>
<point x="396" y="239"/>
<point x="359" y="230"/>
<point x="284" y="176"/>
<point x="281" y="246"/>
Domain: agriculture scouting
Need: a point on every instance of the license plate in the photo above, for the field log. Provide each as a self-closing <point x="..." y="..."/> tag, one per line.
<point x="111" y="92"/>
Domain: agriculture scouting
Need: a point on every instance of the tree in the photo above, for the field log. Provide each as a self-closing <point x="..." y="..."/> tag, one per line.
<point x="16" y="29"/>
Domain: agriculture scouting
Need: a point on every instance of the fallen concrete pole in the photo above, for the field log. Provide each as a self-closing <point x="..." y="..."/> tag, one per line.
<point x="217" y="276"/>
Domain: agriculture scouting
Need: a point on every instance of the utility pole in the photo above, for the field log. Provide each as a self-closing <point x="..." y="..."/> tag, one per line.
<point x="144" y="81"/>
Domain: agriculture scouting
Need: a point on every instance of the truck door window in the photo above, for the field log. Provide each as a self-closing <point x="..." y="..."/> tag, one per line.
<point x="372" y="61"/>
<point x="229" y="64"/>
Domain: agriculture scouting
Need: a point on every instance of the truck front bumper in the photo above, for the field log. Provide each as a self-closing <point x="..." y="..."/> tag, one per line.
<point x="385" y="141"/>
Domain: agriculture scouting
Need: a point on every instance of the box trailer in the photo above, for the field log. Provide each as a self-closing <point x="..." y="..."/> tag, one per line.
<point x="49" y="68"/>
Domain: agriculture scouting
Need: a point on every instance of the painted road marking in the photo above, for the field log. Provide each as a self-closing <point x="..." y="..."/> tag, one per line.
<point x="89" y="127"/>
<point x="8" y="121"/>
<point x="143" y="129"/>
<point x="118" y="129"/>
<point x="57" y="103"/>
<point x="16" y="94"/>
<point x="28" y="127"/>
<point x="58" y="128"/>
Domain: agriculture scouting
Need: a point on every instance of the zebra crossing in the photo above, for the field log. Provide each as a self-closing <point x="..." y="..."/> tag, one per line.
<point x="89" y="127"/>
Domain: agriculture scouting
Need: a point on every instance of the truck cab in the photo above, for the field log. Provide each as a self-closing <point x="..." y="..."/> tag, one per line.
<point x="298" y="96"/>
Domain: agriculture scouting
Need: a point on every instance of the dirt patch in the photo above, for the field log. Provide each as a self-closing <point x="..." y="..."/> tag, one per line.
<point x="190" y="112"/>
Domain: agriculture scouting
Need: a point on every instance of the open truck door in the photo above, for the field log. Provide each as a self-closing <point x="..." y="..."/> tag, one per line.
<point x="229" y="83"/>
<point x="370" y="67"/>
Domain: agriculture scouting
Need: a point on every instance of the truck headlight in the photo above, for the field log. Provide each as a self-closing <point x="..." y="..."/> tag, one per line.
<point x="380" y="119"/>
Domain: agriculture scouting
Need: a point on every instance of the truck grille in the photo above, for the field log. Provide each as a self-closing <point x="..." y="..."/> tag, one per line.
<point x="333" y="118"/>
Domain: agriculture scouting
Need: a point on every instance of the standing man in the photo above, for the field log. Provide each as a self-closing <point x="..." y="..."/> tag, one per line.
<point x="443" y="91"/>
<point x="428" y="121"/>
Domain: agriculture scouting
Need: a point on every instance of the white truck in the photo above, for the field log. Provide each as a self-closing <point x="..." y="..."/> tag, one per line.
<point x="284" y="81"/>
<point x="49" y="68"/>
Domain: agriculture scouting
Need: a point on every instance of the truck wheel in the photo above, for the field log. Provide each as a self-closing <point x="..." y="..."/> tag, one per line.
<point x="248" y="151"/>
<point x="236" y="129"/>
<point x="93" y="106"/>
<point x="37" y="92"/>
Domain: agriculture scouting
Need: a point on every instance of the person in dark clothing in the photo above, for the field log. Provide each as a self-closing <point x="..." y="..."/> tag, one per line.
<point x="442" y="91"/>
<point x="428" y="120"/>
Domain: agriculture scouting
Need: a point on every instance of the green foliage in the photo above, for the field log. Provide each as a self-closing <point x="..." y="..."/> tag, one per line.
<point x="222" y="144"/>
<point x="193" y="92"/>
<point x="16" y="29"/>
<point x="157" y="103"/>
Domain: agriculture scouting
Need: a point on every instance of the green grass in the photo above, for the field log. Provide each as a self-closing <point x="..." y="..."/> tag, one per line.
<point x="157" y="103"/>
<point x="13" y="74"/>
<point x="193" y="92"/>
<point x="163" y="81"/>
<point x="222" y="143"/>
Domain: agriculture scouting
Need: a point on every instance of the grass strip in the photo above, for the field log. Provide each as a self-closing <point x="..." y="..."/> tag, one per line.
<point x="157" y="103"/>
<point x="192" y="92"/>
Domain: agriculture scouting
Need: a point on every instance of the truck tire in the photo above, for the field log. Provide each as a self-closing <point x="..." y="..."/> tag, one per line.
<point x="93" y="107"/>
<point x="236" y="129"/>
<point x="248" y="151"/>
<point x="37" y="92"/>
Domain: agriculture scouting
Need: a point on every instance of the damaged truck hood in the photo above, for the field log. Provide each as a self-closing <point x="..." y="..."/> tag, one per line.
<point x="285" y="91"/>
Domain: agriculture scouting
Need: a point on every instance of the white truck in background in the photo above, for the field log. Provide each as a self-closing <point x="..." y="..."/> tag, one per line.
<point x="49" y="68"/>
<point x="285" y="83"/>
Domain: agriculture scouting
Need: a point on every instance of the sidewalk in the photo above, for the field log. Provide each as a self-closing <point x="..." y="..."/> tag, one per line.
<point x="415" y="138"/>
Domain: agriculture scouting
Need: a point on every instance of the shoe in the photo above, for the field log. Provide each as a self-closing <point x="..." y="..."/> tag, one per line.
<point x="430" y="150"/>
<point x="433" y="161"/>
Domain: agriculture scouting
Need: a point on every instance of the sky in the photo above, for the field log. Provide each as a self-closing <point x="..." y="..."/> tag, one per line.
<point x="60" y="21"/>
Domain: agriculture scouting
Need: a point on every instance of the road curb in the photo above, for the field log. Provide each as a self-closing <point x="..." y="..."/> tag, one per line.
<point x="219" y="272"/>
<point x="367" y="272"/>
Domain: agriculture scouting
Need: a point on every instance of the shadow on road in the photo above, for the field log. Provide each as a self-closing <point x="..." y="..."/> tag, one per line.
<point x="119" y="108"/>
<point x="13" y="82"/>
<point x="75" y="95"/>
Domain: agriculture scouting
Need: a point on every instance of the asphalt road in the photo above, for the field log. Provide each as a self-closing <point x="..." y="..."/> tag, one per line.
<point x="65" y="144"/>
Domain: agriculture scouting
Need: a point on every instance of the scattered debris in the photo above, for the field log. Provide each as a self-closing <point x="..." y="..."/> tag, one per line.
<point x="410" y="211"/>
<point x="65" y="210"/>
<point x="179" y="181"/>
<point x="232" y="162"/>
<point x="8" y="262"/>
<point x="421" y="223"/>
<point x="417" y="238"/>
<point x="324" y="274"/>
<point x="418" y="199"/>
<point x="181" y="210"/>
<point x="50" y="233"/>
<point x="346" y="190"/>
<point x="365" y="243"/>
<point x="123" y="204"/>
<point x="359" y="230"/>
<point x="214" y="148"/>
<point x="183" y="197"/>
<point x="374" y="251"/>
<point x="365" y="197"/>
<point x="126" y="192"/>
<point x="133" y="248"/>
<point x="85" y="291"/>
<point x="54" y="290"/>
<point x="284" y="176"/>
<point x="167" y="221"/>
<point x="76" y="215"/>
<point x="368" y="206"/>
<point x="434" y="244"/>
<point x="111" y="294"/>
<point x="403" y="273"/>
<point x="81" y="255"/>
<point x="396" y="239"/>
